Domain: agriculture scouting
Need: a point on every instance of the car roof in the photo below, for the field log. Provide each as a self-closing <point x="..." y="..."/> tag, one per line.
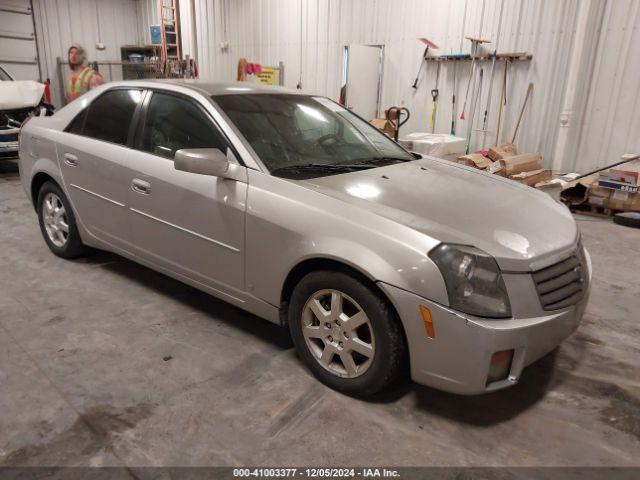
<point x="211" y="88"/>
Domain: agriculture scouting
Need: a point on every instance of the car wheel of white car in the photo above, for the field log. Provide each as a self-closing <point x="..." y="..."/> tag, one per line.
<point x="345" y="332"/>
<point x="57" y="222"/>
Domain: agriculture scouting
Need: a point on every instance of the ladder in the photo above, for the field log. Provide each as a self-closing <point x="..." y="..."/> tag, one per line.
<point x="170" y="31"/>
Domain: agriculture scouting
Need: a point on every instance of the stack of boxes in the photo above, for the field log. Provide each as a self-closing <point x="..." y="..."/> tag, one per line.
<point x="505" y="161"/>
<point x="617" y="188"/>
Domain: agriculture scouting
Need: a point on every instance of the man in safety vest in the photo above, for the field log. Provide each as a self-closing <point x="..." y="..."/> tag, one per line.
<point x="81" y="78"/>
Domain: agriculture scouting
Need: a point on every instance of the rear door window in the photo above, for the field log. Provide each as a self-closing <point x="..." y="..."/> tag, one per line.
<point x="173" y="123"/>
<point x="110" y="115"/>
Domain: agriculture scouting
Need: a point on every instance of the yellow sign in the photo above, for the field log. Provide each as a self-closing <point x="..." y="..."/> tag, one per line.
<point x="268" y="76"/>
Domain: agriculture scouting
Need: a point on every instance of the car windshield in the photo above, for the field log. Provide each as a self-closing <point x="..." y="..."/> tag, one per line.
<point x="300" y="136"/>
<point x="4" y="75"/>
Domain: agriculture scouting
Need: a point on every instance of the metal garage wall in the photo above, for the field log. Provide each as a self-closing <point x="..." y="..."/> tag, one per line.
<point x="268" y="32"/>
<point x="147" y="11"/>
<point x="18" y="52"/>
<point x="611" y="121"/>
<point x="148" y="14"/>
<point x="60" y="23"/>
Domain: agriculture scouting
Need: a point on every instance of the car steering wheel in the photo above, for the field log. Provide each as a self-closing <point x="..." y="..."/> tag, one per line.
<point x="323" y="139"/>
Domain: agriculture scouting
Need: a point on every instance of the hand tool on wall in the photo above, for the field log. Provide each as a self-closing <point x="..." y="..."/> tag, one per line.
<point x="487" y="108"/>
<point x="453" y="100"/>
<point x="475" y="43"/>
<point x="434" y="98"/>
<point x="503" y="99"/>
<point x="473" y="110"/>
<point x="454" y="57"/>
<point x="394" y="116"/>
<point x="429" y="45"/>
<point x="524" y="105"/>
<point x="242" y="70"/>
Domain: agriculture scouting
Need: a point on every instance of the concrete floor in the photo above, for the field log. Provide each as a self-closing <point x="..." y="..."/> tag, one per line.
<point x="104" y="362"/>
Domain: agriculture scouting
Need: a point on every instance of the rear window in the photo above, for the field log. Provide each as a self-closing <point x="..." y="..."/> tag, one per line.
<point x="110" y="115"/>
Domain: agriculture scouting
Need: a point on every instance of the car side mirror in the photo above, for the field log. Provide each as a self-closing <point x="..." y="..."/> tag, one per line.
<point x="208" y="161"/>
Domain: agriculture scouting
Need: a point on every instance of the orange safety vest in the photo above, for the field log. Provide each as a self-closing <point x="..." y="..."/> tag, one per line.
<point x="80" y="85"/>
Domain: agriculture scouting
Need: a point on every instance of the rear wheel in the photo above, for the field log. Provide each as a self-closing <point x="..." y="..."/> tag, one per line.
<point x="57" y="223"/>
<point x="345" y="332"/>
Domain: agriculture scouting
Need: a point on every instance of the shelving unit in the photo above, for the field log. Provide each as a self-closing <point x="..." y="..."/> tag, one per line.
<point x="149" y="68"/>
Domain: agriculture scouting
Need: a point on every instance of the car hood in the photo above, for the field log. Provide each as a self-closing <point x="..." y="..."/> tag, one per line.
<point x="456" y="204"/>
<point x="20" y="94"/>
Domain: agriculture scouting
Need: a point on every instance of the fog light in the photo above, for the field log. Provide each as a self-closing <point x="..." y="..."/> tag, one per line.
<point x="500" y="366"/>
<point x="428" y="322"/>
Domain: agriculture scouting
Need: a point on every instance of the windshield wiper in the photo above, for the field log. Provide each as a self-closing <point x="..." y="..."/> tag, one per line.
<point x="323" y="166"/>
<point x="381" y="160"/>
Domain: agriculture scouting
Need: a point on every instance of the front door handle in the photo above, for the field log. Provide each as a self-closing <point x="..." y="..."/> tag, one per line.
<point x="140" y="186"/>
<point x="70" y="159"/>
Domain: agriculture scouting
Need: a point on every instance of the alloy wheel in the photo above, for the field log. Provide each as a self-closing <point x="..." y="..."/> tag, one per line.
<point x="338" y="333"/>
<point x="54" y="217"/>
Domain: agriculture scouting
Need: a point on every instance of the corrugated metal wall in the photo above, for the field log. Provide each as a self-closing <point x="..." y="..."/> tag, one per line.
<point x="60" y="23"/>
<point x="611" y="122"/>
<point x="147" y="15"/>
<point x="268" y="32"/>
<point x="18" y="53"/>
<point x="309" y="35"/>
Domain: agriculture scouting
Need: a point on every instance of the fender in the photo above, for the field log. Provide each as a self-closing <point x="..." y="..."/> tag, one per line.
<point x="276" y="243"/>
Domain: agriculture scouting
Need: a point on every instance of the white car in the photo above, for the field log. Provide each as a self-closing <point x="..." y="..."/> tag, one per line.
<point x="293" y="208"/>
<point x="19" y="100"/>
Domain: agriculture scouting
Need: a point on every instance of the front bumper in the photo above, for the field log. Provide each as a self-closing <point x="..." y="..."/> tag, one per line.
<point x="9" y="143"/>
<point x="458" y="358"/>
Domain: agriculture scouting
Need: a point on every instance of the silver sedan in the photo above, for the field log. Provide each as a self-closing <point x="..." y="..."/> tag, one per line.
<point x="295" y="209"/>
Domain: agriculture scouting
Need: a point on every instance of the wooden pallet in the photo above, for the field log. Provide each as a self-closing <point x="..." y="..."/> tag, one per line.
<point x="593" y="211"/>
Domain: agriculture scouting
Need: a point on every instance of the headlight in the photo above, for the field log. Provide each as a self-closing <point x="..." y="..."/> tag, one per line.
<point x="473" y="279"/>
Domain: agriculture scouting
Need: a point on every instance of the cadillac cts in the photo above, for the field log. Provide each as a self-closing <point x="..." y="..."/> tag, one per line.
<point x="297" y="210"/>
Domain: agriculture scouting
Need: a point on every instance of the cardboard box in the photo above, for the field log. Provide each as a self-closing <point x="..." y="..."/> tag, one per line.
<point x="574" y="191"/>
<point x="475" y="160"/>
<point x="436" y="144"/>
<point x="624" y="201"/>
<point x="384" y="125"/>
<point x="521" y="163"/>
<point x="625" y="177"/>
<point x="503" y="150"/>
<point x="598" y="196"/>
<point x="553" y="188"/>
<point x="532" y="177"/>
<point x="495" y="167"/>
<point x="626" y="180"/>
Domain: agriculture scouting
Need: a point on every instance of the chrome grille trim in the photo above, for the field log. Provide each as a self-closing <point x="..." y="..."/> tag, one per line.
<point x="562" y="284"/>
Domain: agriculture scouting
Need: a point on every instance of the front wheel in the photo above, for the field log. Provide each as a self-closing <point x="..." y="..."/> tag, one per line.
<point x="57" y="223"/>
<point x="345" y="333"/>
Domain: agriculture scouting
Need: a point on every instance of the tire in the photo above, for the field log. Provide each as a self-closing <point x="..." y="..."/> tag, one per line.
<point x="379" y="342"/>
<point x="628" y="219"/>
<point x="63" y="244"/>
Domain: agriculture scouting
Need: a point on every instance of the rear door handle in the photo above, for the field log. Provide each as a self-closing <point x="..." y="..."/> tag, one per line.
<point x="140" y="186"/>
<point x="70" y="159"/>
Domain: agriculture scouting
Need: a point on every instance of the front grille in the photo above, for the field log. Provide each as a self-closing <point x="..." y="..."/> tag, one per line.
<point x="562" y="284"/>
<point x="8" y="137"/>
<point x="18" y="116"/>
